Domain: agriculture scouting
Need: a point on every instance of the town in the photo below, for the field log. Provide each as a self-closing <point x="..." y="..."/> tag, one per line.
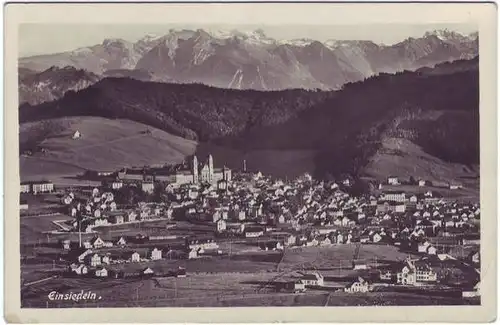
<point x="248" y="238"/>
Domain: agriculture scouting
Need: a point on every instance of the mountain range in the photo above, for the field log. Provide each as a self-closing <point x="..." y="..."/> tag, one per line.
<point x="421" y="123"/>
<point x="237" y="60"/>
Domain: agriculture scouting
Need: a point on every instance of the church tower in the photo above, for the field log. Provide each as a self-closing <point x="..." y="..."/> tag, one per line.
<point x="195" y="170"/>
<point x="210" y="168"/>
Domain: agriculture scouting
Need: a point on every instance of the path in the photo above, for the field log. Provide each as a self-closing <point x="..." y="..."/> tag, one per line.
<point x="41" y="280"/>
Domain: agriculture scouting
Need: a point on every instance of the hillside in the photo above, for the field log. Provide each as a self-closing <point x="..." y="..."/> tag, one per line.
<point x="194" y="111"/>
<point x="105" y="145"/>
<point x="432" y="116"/>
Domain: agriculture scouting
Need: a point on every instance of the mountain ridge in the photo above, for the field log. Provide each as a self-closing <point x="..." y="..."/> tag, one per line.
<point x="252" y="60"/>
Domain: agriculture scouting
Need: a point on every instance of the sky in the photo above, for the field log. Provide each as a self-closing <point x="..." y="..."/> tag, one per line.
<point x="45" y="38"/>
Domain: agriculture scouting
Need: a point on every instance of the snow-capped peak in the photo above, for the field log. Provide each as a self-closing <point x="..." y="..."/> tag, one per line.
<point x="297" y="42"/>
<point x="445" y="35"/>
<point x="150" y="38"/>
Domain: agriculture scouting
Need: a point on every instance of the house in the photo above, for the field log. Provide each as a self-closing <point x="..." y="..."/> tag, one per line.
<point x="193" y="253"/>
<point x="121" y="242"/>
<point x="431" y="250"/>
<point x="148" y="271"/>
<point x="291" y="240"/>
<point x="106" y="259"/>
<point x="422" y="247"/>
<point x="148" y="187"/>
<point x="135" y="257"/>
<point x="376" y="237"/>
<point x="315" y="279"/>
<point x="392" y="180"/>
<point x="221" y="225"/>
<point x="474" y="257"/>
<point x="359" y="265"/>
<point x="253" y="232"/>
<point x="79" y="269"/>
<point x="82" y="256"/>
<point x="97" y="242"/>
<point x="394" y="196"/>
<point x="156" y="254"/>
<point x="101" y="273"/>
<point x="67" y="244"/>
<point x="25" y="187"/>
<point x="357" y="286"/>
<point x="95" y="260"/>
<point x="116" y="185"/>
<point x="416" y="272"/>
<point x="76" y="135"/>
<point x="387" y="275"/>
<point x="472" y="292"/>
<point x="421" y="183"/>
<point x="42" y="187"/>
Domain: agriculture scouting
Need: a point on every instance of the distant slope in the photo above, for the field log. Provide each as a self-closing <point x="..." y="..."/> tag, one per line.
<point x="52" y="84"/>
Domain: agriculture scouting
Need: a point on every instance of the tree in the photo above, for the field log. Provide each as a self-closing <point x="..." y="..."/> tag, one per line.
<point x="359" y="188"/>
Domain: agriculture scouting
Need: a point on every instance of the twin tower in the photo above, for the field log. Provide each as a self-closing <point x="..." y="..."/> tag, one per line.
<point x="207" y="173"/>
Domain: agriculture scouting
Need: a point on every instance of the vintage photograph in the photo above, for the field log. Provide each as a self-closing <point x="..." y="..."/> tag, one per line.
<point x="249" y="165"/>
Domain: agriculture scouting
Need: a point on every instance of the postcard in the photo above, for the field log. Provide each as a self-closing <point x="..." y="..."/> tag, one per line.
<point x="250" y="162"/>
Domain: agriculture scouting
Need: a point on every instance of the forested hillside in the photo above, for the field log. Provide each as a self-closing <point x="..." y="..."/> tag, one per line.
<point x="437" y="110"/>
<point x="193" y="111"/>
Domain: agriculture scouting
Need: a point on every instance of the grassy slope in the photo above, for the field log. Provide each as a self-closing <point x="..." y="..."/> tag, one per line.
<point x="105" y="145"/>
<point x="404" y="158"/>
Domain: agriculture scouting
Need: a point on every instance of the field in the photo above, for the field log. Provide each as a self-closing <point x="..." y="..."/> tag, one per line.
<point x="217" y="290"/>
<point x="339" y="256"/>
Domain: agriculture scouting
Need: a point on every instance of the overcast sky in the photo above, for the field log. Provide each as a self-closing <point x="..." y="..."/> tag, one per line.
<point x="52" y="38"/>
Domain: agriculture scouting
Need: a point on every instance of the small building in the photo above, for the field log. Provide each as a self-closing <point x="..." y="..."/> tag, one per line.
<point x="252" y="232"/>
<point x="121" y="242"/>
<point x="66" y="244"/>
<point x="156" y="254"/>
<point x="95" y="260"/>
<point x="148" y="271"/>
<point x="314" y="279"/>
<point x="42" y="187"/>
<point x="221" y="225"/>
<point x="148" y="187"/>
<point x="97" y="243"/>
<point x="392" y="180"/>
<point x="357" y="286"/>
<point x="106" y="259"/>
<point x="25" y="187"/>
<point x="76" y="135"/>
<point x="421" y="183"/>
<point x="359" y="265"/>
<point x="135" y="257"/>
<point x="116" y="185"/>
<point x="472" y="292"/>
<point x="79" y="269"/>
<point x="101" y="273"/>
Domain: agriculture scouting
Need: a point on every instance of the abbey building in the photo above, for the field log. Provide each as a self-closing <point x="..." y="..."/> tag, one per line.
<point x="191" y="171"/>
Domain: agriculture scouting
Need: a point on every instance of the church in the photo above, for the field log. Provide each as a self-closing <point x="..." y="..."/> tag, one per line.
<point x="184" y="173"/>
